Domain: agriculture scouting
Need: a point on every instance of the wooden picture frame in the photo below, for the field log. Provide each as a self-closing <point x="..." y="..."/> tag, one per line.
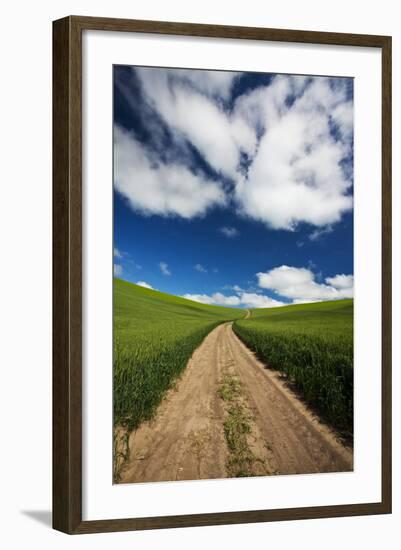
<point x="67" y="273"/>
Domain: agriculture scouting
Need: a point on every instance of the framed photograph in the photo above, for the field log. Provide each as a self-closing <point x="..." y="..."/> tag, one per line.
<point x="222" y="274"/>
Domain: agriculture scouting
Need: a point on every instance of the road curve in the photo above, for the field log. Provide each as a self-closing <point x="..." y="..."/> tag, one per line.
<point x="186" y="440"/>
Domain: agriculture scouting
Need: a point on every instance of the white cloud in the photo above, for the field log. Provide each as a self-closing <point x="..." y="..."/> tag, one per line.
<point x="275" y="143"/>
<point x="341" y="281"/>
<point x="198" y="118"/>
<point x="145" y="285"/>
<point x="295" y="283"/>
<point x="216" y="299"/>
<point x="245" y="299"/>
<point x="252" y="300"/>
<point x="212" y="83"/>
<point x="229" y="232"/>
<point x="299" y="284"/>
<point x="164" y="268"/>
<point x="343" y="116"/>
<point x="320" y="232"/>
<point x="118" y="270"/>
<point x="297" y="174"/>
<point x="200" y="268"/>
<point x="117" y="253"/>
<point x="284" y="277"/>
<point x="237" y="288"/>
<point x="154" y="187"/>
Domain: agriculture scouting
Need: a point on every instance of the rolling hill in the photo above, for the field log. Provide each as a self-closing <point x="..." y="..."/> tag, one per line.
<point x="155" y="335"/>
<point x="312" y="344"/>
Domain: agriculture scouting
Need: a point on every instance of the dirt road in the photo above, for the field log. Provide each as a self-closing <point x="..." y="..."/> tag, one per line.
<point x="231" y="416"/>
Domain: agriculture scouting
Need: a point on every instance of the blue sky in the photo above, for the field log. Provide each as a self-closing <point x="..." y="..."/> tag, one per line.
<point x="234" y="188"/>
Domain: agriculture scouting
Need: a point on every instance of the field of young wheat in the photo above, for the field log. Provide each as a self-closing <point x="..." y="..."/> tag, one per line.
<point x="155" y="335"/>
<point x="312" y="345"/>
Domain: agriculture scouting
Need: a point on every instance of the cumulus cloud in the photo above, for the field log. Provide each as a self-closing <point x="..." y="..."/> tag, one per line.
<point x="212" y="83"/>
<point x="118" y="270"/>
<point x="245" y="299"/>
<point x="229" y="232"/>
<point x="299" y="284"/>
<point x="285" y="147"/>
<point x="341" y="281"/>
<point x="164" y="268"/>
<point x="145" y="285"/>
<point x="237" y="288"/>
<point x="250" y="299"/>
<point x="117" y="253"/>
<point x="216" y="299"/>
<point x="200" y="268"/>
<point x="154" y="187"/>
<point x="297" y="173"/>
<point x="198" y="118"/>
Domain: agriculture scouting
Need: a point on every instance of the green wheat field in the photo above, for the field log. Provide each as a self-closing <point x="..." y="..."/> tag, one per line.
<point x="155" y="335"/>
<point x="312" y="344"/>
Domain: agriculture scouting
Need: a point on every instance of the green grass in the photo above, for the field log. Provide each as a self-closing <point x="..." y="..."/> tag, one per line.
<point x="241" y="460"/>
<point x="313" y="345"/>
<point x="155" y="335"/>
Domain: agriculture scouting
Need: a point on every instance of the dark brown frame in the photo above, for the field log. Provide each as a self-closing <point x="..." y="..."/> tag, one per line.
<point x="67" y="274"/>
